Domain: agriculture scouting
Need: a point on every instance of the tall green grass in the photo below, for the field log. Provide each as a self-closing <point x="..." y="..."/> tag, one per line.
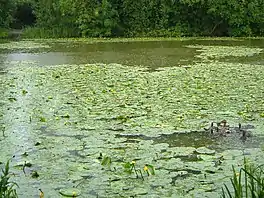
<point x="7" y="188"/>
<point x="248" y="183"/>
<point x="55" y="32"/>
<point x="3" y="33"/>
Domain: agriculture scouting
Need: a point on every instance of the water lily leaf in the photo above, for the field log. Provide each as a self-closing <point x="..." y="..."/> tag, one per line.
<point x="106" y="161"/>
<point x="24" y="92"/>
<point x="150" y="169"/>
<point x="70" y="192"/>
<point x="204" y="150"/>
<point x="140" y="191"/>
<point x="153" y="116"/>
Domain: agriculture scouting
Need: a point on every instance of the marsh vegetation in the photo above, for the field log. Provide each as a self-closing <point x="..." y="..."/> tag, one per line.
<point x="130" y="117"/>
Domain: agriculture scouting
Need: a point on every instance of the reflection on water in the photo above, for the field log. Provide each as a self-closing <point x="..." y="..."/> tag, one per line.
<point x="219" y="143"/>
<point x="152" y="54"/>
<point x="202" y="139"/>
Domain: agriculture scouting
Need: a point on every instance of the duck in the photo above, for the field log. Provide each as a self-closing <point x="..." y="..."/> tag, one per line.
<point x="223" y="128"/>
<point x="245" y="133"/>
<point x="223" y="123"/>
<point x="211" y="129"/>
<point x="237" y="129"/>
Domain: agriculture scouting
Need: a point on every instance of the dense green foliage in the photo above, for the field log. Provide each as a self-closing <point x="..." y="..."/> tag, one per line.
<point x="6" y="10"/>
<point x="109" y="18"/>
<point x="7" y="188"/>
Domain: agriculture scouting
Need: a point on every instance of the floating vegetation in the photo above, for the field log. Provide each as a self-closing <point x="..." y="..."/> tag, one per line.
<point x="21" y="63"/>
<point x="212" y="52"/>
<point x="109" y="130"/>
<point x="23" y="45"/>
<point x="70" y="192"/>
<point x="41" y="194"/>
<point x="157" y="102"/>
<point x="110" y="40"/>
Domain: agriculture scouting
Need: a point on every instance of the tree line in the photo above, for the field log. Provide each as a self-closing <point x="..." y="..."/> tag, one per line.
<point x="135" y="18"/>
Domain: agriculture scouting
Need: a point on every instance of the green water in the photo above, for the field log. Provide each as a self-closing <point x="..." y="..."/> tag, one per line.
<point x="65" y="103"/>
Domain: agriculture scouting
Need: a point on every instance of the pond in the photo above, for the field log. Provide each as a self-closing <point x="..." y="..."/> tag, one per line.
<point x="127" y="117"/>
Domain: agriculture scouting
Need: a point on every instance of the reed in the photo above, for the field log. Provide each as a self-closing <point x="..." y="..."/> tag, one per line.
<point x="7" y="188"/>
<point x="248" y="183"/>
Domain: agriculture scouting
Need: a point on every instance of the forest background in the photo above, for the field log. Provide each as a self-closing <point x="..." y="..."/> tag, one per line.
<point x="132" y="18"/>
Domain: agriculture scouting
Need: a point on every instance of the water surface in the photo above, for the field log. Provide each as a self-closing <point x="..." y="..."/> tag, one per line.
<point x="66" y="104"/>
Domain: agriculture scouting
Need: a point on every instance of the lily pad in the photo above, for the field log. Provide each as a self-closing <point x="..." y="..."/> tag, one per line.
<point x="70" y="192"/>
<point x="204" y="150"/>
<point x="155" y="117"/>
<point x="23" y="45"/>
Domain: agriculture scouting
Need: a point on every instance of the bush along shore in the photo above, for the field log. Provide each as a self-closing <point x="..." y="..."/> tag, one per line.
<point x="129" y="18"/>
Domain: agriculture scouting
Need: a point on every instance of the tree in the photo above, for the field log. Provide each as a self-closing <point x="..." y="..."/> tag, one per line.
<point x="6" y="11"/>
<point x="109" y="18"/>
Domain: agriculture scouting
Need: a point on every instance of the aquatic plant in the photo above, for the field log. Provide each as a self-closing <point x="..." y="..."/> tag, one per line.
<point x="106" y="161"/>
<point x="128" y="113"/>
<point x="3" y="130"/>
<point x="149" y="169"/>
<point x="69" y="192"/>
<point x="249" y="182"/>
<point x="41" y="194"/>
<point x="213" y="52"/>
<point x="129" y="167"/>
<point x="23" y="45"/>
<point x="7" y="188"/>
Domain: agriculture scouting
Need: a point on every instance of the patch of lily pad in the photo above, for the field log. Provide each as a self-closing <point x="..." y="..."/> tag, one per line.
<point x="109" y="40"/>
<point x="216" y="52"/>
<point x="83" y="126"/>
<point x="23" y="45"/>
<point x="154" y="103"/>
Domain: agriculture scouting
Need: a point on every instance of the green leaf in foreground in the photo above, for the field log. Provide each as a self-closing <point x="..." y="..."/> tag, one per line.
<point x="7" y="188"/>
<point x="106" y="161"/>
